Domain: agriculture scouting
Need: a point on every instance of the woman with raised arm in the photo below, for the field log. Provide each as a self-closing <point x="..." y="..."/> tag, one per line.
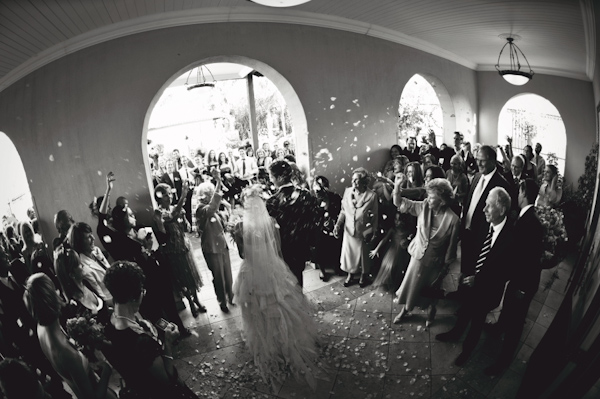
<point x="169" y="228"/>
<point x="432" y="250"/>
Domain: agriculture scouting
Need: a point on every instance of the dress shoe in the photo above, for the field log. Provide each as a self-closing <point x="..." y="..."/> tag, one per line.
<point x="461" y="360"/>
<point x="494" y="369"/>
<point x="447" y="336"/>
<point x="224" y="308"/>
<point x="201" y="308"/>
<point x="363" y="283"/>
<point x="348" y="282"/>
<point x="324" y="276"/>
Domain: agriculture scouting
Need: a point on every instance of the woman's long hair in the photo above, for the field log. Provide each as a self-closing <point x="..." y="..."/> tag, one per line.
<point x="66" y="261"/>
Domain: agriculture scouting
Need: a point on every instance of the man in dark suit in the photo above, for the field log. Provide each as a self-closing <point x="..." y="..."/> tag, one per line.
<point x="474" y="223"/>
<point x="487" y="275"/>
<point x="298" y="215"/>
<point x="524" y="282"/>
<point x="517" y="173"/>
<point x="412" y="150"/>
<point x="173" y="179"/>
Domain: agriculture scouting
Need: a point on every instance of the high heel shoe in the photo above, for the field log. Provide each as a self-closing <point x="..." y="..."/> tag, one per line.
<point x="348" y="282"/>
<point x="403" y="313"/>
<point x="430" y="316"/>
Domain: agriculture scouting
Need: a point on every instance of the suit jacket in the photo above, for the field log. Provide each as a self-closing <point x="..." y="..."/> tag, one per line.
<point x="299" y="217"/>
<point x="478" y="222"/>
<point x="446" y="235"/>
<point x="529" y="245"/>
<point x="497" y="268"/>
<point x="210" y="227"/>
<point x="177" y="184"/>
<point x="362" y="218"/>
<point x="414" y="156"/>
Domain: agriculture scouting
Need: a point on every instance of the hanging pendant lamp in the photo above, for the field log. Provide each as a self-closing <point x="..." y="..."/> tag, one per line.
<point x="200" y="78"/>
<point x="513" y="73"/>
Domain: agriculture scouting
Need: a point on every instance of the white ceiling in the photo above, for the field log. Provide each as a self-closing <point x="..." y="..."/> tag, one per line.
<point x="558" y="36"/>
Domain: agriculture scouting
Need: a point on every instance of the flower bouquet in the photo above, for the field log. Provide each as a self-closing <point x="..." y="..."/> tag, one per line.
<point x="555" y="236"/>
<point x="88" y="336"/>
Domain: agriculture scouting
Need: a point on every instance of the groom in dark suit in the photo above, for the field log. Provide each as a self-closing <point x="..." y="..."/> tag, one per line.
<point x="298" y="215"/>
<point x="487" y="275"/>
<point x="524" y="282"/>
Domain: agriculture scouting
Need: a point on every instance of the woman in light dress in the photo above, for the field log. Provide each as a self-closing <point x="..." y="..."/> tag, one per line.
<point x="432" y="250"/>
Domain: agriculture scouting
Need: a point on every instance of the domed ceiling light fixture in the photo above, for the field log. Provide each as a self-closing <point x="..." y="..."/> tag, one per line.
<point x="200" y="78"/>
<point x="279" y="3"/>
<point x="513" y="73"/>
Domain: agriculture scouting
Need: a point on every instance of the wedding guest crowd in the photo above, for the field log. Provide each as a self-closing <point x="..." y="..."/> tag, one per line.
<point x="413" y="214"/>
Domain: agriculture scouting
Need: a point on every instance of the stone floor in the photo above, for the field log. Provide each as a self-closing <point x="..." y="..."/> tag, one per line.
<point x="364" y="355"/>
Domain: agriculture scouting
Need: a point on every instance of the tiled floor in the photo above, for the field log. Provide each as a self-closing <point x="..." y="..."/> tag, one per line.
<point x="364" y="355"/>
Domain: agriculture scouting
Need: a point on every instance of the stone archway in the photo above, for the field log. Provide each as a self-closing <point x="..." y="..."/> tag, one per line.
<point x="295" y="108"/>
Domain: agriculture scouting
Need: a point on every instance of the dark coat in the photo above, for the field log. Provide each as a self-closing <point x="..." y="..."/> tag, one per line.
<point x="528" y="248"/>
<point x="299" y="218"/>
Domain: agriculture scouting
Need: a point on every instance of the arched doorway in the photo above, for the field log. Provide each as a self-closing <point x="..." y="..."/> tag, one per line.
<point x="15" y="196"/>
<point x="529" y="119"/>
<point x="425" y="104"/>
<point x="292" y="121"/>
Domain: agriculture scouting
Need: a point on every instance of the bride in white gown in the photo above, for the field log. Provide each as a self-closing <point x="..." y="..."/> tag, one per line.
<point x="277" y="322"/>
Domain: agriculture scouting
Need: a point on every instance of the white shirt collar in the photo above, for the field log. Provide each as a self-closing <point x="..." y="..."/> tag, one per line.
<point x="497" y="229"/>
<point x="524" y="209"/>
<point x="486" y="178"/>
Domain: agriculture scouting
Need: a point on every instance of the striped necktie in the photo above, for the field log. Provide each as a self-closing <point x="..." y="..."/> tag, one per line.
<point x="485" y="249"/>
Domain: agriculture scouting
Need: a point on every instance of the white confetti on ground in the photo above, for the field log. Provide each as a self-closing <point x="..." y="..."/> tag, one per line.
<point x="59" y="144"/>
<point x="51" y="158"/>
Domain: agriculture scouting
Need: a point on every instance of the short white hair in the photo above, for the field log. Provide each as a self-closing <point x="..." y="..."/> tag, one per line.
<point x="205" y="191"/>
<point x="502" y="198"/>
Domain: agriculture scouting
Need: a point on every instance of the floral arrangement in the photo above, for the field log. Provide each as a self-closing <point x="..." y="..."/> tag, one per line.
<point x="555" y="235"/>
<point x="88" y="335"/>
<point x="587" y="182"/>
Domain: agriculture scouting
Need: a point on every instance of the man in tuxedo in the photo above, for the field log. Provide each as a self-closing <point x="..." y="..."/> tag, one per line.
<point x="173" y="179"/>
<point x="412" y="151"/>
<point x="524" y="282"/>
<point x="514" y="177"/>
<point x="487" y="275"/>
<point x="298" y="215"/>
<point x="474" y="224"/>
<point x="246" y="167"/>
